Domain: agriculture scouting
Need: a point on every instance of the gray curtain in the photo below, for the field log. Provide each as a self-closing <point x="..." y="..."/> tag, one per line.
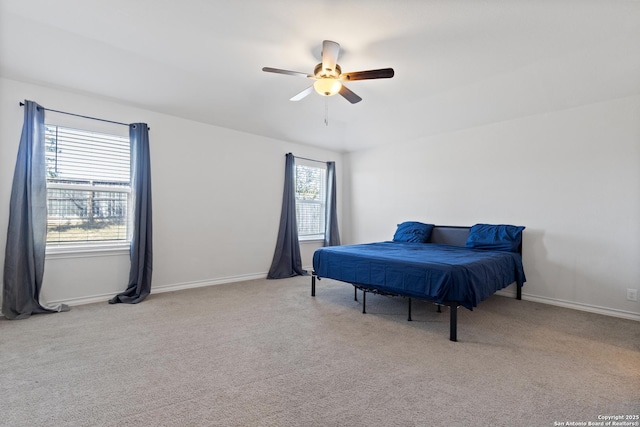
<point x="287" y="261"/>
<point x="141" y="243"/>
<point x="27" y="232"/>
<point x="331" y="233"/>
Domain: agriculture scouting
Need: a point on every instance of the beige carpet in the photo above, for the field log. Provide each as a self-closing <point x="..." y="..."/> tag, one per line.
<point x="265" y="353"/>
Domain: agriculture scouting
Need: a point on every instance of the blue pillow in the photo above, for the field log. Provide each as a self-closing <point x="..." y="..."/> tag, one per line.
<point x="411" y="231"/>
<point x="495" y="237"/>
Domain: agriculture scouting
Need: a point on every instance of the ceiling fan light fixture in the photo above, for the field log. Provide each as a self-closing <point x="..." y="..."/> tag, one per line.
<point x="327" y="86"/>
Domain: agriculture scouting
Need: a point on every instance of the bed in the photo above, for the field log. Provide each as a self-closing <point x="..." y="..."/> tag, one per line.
<point x="448" y="265"/>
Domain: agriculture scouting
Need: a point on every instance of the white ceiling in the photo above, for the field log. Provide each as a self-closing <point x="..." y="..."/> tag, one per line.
<point x="458" y="64"/>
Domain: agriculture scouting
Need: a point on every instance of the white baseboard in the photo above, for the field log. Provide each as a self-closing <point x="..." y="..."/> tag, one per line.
<point x="162" y="288"/>
<point x="575" y="305"/>
<point x="211" y="282"/>
<point x="71" y="302"/>
<point x="243" y="277"/>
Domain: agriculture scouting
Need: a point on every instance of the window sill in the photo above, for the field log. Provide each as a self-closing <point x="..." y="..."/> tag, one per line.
<point x="87" y="251"/>
<point x="311" y="239"/>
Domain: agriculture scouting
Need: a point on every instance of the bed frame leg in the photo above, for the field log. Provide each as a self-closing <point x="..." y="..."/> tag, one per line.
<point x="364" y="301"/>
<point x="518" y="292"/>
<point x="439" y="308"/>
<point x="453" y="323"/>
<point x="313" y="286"/>
<point x="355" y="293"/>
<point x="409" y="317"/>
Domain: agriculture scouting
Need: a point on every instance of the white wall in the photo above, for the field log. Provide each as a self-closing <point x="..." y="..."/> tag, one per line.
<point x="217" y="195"/>
<point x="571" y="177"/>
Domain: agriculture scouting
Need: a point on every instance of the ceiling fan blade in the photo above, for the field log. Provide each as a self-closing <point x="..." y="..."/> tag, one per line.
<point x="383" y="73"/>
<point x="330" y="52"/>
<point x="349" y="95"/>
<point x="302" y="94"/>
<point x="291" y="73"/>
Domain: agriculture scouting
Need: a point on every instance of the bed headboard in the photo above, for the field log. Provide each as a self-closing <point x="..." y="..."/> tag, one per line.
<point x="453" y="235"/>
<point x="449" y="235"/>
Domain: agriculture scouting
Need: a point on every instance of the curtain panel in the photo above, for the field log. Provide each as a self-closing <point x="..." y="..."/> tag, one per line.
<point x="331" y="232"/>
<point x="141" y="250"/>
<point x="287" y="261"/>
<point x="27" y="231"/>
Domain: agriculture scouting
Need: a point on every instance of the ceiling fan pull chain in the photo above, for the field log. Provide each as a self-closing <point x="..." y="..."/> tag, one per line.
<point x="326" y="111"/>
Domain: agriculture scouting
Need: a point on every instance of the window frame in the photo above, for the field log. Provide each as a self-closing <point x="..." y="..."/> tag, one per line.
<point x="91" y="248"/>
<point x="322" y="202"/>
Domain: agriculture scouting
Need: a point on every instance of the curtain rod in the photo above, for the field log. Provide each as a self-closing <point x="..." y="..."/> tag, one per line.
<point x="311" y="160"/>
<point x="84" y="117"/>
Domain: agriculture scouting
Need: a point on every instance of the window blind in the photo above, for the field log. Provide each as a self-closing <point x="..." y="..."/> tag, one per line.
<point x="80" y="156"/>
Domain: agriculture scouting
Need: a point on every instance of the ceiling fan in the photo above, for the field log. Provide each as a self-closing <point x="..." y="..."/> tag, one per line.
<point x="329" y="77"/>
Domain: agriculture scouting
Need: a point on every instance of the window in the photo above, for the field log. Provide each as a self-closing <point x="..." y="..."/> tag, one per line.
<point x="311" y="183"/>
<point x="88" y="187"/>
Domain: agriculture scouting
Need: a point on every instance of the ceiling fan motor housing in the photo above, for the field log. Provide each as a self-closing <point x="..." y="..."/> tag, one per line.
<point x="327" y="73"/>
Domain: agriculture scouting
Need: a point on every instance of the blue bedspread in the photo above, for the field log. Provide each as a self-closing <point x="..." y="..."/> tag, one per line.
<point x="439" y="273"/>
